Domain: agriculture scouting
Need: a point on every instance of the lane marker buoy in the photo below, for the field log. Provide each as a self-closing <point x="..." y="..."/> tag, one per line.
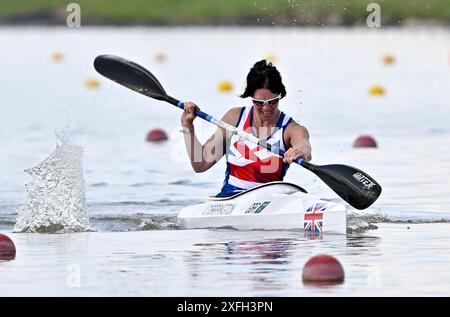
<point x="7" y="248"/>
<point x="57" y="56"/>
<point x="365" y="140"/>
<point x="224" y="86"/>
<point x="271" y="58"/>
<point x="376" y="90"/>
<point x="160" y="57"/>
<point x="388" y="59"/>
<point x="323" y="269"/>
<point x="156" y="135"/>
<point x="92" y="83"/>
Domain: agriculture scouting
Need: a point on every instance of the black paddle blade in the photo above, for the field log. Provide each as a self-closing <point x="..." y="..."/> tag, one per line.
<point x="129" y="74"/>
<point x="351" y="184"/>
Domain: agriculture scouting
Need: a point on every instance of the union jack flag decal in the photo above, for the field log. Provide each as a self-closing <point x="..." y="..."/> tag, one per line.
<point x="313" y="217"/>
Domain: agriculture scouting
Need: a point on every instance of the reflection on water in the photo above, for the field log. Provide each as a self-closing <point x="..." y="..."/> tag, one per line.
<point x="363" y="245"/>
<point x="259" y="262"/>
<point x="266" y="263"/>
<point x="313" y="235"/>
<point x="259" y="252"/>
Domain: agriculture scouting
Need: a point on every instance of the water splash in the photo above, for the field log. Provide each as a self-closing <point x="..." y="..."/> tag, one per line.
<point x="56" y="201"/>
<point x="359" y="221"/>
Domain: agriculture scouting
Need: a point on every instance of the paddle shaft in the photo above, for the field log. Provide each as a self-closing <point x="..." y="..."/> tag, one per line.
<point x="235" y="130"/>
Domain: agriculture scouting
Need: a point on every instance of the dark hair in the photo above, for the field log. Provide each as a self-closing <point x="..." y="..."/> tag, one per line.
<point x="263" y="75"/>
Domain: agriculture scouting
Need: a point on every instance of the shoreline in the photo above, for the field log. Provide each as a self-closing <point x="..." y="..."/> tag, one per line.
<point x="422" y="25"/>
<point x="219" y="24"/>
<point x="239" y="13"/>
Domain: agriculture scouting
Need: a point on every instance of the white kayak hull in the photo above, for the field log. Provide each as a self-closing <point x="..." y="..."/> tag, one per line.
<point x="272" y="206"/>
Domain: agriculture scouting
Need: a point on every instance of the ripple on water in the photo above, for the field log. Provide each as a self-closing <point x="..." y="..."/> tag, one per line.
<point x="134" y="222"/>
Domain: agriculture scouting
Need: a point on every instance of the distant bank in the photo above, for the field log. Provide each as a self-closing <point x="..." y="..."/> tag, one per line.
<point x="225" y="12"/>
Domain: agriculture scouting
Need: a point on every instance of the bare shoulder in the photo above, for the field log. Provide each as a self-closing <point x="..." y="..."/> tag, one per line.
<point x="295" y="129"/>
<point x="232" y="115"/>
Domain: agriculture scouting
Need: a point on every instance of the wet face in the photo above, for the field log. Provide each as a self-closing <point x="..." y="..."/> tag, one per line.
<point x="265" y="111"/>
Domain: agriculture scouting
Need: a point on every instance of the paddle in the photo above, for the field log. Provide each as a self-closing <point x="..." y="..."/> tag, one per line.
<point x="351" y="184"/>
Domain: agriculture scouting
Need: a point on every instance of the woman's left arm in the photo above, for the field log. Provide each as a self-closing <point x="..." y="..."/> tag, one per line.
<point x="297" y="141"/>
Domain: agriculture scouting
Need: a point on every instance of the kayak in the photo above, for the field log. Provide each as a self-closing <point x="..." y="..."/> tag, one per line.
<point x="271" y="206"/>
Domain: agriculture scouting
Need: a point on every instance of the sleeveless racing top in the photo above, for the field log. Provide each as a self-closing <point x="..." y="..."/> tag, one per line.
<point x="250" y="165"/>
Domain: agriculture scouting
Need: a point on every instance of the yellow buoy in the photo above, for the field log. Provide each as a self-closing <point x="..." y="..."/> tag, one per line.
<point x="271" y="58"/>
<point x="160" y="57"/>
<point x="92" y="83"/>
<point x="57" y="56"/>
<point x="224" y="86"/>
<point x="388" y="59"/>
<point x="376" y="90"/>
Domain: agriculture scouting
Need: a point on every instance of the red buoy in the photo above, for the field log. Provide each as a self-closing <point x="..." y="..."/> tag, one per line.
<point x="323" y="269"/>
<point x="156" y="135"/>
<point x="7" y="248"/>
<point x="365" y="141"/>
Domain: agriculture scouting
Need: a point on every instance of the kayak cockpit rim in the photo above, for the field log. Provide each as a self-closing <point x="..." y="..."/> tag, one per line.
<point x="295" y="188"/>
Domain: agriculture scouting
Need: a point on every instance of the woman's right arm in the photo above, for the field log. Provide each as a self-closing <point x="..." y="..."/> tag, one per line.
<point x="203" y="157"/>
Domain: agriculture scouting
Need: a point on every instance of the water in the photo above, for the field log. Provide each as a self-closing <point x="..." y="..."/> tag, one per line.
<point x="385" y="262"/>
<point x="134" y="189"/>
<point x="56" y="201"/>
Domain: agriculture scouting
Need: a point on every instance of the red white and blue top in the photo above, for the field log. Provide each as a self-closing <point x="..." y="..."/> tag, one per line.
<point x="250" y="165"/>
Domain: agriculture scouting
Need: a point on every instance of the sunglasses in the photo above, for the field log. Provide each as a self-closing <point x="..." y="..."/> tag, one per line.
<point x="270" y="102"/>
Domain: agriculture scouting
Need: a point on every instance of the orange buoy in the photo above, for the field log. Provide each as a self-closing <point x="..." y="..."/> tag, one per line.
<point x="157" y="135"/>
<point x="323" y="269"/>
<point x="7" y="248"/>
<point x="365" y="141"/>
